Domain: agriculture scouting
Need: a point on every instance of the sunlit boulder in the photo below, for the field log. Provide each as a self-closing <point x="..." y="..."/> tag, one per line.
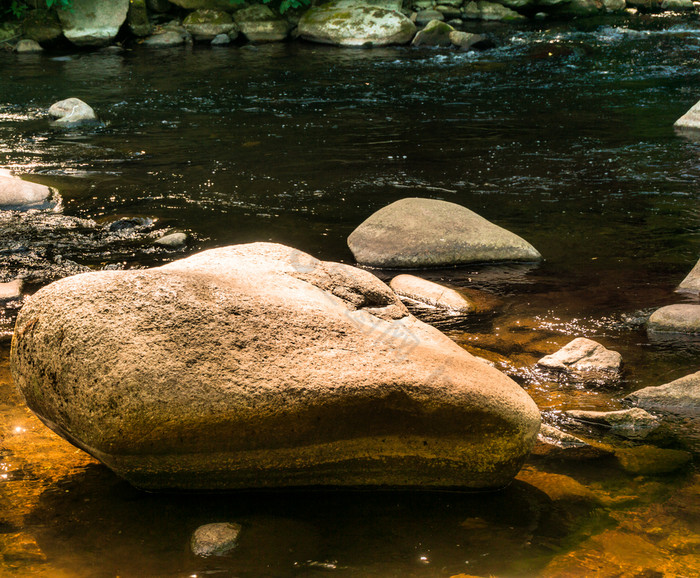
<point x="416" y="232"/>
<point x="260" y="366"/>
<point x="584" y="356"/>
<point x="680" y="394"/>
<point x="91" y="23"/>
<point x="355" y="23"/>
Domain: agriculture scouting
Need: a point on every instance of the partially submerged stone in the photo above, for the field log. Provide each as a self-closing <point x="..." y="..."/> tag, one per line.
<point x="71" y="112"/>
<point x="680" y="318"/>
<point x="172" y="240"/>
<point x="90" y="23"/>
<point x="690" y="119"/>
<point x="260" y="366"/>
<point x="435" y="33"/>
<point x="215" y="539"/>
<point x="355" y="23"/>
<point x="417" y="232"/>
<point x="582" y="356"/>
<point x="27" y="45"/>
<point x="681" y="395"/>
<point x="415" y="289"/>
<point x="482" y="10"/>
<point x="207" y="24"/>
<point x="631" y="423"/>
<point x="16" y="193"/>
<point x="469" y="41"/>
<point x="691" y="284"/>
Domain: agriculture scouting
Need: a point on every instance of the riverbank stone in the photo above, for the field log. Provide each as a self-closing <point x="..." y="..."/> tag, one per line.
<point x="355" y="23"/>
<point x="681" y="394"/>
<point x="90" y="23"/>
<point x="167" y="38"/>
<point x="415" y="289"/>
<point x="691" y="284"/>
<point x="416" y="232"/>
<point x="205" y="25"/>
<point x="584" y="355"/>
<point x="482" y="10"/>
<point x="469" y="41"/>
<point x="71" y="112"/>
<point x="16" y="193"/>
<point x="259" y="366"/>
<point x="679" y="318"/>
<point x="258" y="23"/>
<point x="215" y="539"/>
<point x="137" y="17"/>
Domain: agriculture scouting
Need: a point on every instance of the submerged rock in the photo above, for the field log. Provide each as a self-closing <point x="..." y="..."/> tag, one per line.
<point x="680" y="318"/>
<point x="417" y="232"/>
<point x="630" y="423"/>
<point x="215" y="539"/>
<point x="90" y="23"/>
<point x="691" y="284"/>
<point x="650" y="460"/>
<point x="584" y="356"/>
<point x="355" y="23"/>
<point x="260" y="366"/>
<point x="682" y="394"/>
<point x="72" y="112"/>
<point x="16" y="193"/>
<point x="428" y="293"/>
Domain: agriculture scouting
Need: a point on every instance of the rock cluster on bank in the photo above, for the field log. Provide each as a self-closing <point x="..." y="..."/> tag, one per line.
<point x="94" y="23"/>
<point x="260" y="366"/>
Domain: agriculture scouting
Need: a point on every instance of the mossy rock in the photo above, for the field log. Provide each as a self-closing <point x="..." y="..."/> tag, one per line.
<point x="348" y="23"/>
<point x="42" y="26"/>
<point x="207" y="24"/>
<point x="436" y="33"/>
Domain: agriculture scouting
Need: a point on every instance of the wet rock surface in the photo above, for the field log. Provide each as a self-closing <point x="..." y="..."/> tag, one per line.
<point x="415" y="410"/>
<point x="632" y="423"/>
<point x="680" y="318"/>
<point x="681" y="395"/>
<point x="72" y="112"/>
<point x="586" y="357"/>
<point x="215" y="539"/>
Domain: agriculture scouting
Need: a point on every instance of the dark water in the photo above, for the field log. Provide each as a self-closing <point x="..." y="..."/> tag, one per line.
<point x="563" y="135"/>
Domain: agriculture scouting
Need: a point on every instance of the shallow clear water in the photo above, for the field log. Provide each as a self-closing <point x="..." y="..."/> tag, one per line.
<point x="563" y="135"/>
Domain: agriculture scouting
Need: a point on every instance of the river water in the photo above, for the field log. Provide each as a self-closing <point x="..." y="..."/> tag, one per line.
<point x="563" y="134"/>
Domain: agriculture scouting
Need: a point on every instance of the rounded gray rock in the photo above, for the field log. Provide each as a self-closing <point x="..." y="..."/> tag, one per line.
<point x="680" y="318"/>
<point x="71" y="112"/>
<point x="259" y="366"/>
<point x="417" y="232"/>
<point x="93" y="23"/>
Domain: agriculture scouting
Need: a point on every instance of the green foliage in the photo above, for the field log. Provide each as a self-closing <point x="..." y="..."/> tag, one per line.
<point x="17" y="8"/>
<point x="284" y="5"/>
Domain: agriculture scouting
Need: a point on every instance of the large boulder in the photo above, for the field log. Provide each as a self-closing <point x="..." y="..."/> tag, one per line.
<point x="355" y="23"/>
<point x="691" y="284"/>
<point x="16" y="193"/>
<point x="418" y="232"/>
<point x="260" y="366"/>
<point x="679" y="318"/>
<point x="42" y="26"/>
<point x="91" y="22"/>
<point x="258" y="23"/>
<point x="682" y="394"/>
